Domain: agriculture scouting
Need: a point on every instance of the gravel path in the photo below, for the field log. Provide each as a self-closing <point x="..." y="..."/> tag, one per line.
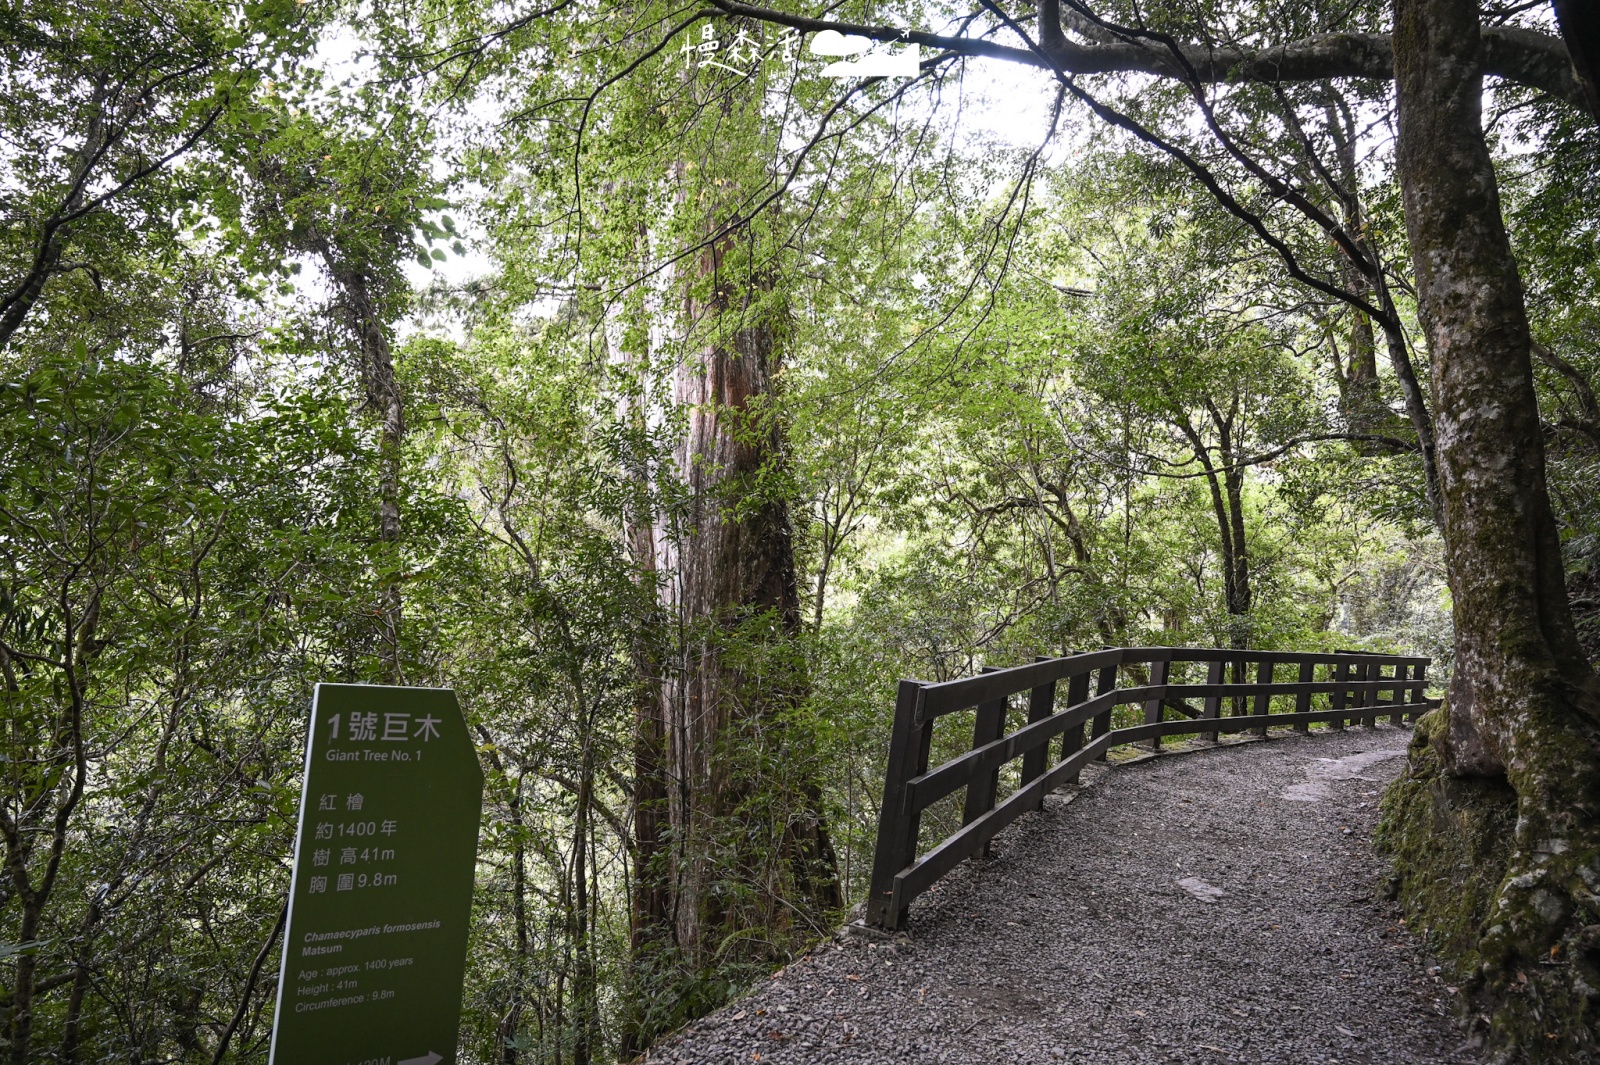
<point x="1219" y="906"/>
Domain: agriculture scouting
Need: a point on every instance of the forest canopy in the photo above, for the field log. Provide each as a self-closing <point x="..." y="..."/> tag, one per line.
<point x="670" y="398"/>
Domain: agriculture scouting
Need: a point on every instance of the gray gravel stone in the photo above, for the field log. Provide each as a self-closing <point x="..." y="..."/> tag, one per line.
<point x="1083" y="939"/>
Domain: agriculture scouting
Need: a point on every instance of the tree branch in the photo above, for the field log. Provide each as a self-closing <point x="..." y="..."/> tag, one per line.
<point x="1526" y="57"/>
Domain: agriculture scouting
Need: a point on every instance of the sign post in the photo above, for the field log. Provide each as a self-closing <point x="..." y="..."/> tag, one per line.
<point x="375" y="950"/>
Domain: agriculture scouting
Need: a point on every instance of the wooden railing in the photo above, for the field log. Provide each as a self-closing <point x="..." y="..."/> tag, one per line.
<point x="1335" y="689"/>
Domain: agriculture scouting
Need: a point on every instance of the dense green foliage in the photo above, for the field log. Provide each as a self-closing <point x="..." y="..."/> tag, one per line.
<point x="1030" y="402"/>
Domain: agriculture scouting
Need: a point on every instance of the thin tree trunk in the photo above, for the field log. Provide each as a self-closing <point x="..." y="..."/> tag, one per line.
<point x="226" y="1039"/>
<point x="1359" y="396"/>
<point x="366" y="303"/>
<point x="651" y="910"/>
<point x="55" y="230"/>
<point x="1227" y="506"/>
<point x="1422" y="422"/>
<point x="1241" y="600"/>
<point x="70" y="754"/>
<point x="585" y="993"/>
<point x="368" y="326"/>
<point x="583" y="1004"/>
<point x="1523" y="704"/>
<point x="1364" y="407"/>
<point x="511" y="1024"/>
<point x="649" y="881"/>
<point x="511" y="1028"/>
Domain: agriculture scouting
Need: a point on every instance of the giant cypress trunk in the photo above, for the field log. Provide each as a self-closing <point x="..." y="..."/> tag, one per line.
<point x="741" y="859"/>
<point x="1496" y="826"/>
<point x="732" y="857"/>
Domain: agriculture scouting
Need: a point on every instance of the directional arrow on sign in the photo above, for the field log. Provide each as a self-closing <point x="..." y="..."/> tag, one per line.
<point x="430" y="1058"/>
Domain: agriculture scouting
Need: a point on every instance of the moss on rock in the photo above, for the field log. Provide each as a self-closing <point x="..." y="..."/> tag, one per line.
<point x="1451" y="840"/>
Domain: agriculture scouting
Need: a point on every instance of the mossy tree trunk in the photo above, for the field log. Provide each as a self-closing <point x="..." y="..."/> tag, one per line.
<point x="1360" y="398"/>
<point x="368" y="324"/>
<point x="733" y="862"/>
<point x="730" y="589"/>
<point x="1518" y="741"/>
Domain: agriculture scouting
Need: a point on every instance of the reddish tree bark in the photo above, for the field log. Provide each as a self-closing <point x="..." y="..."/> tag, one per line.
<point x="728" y="835"/>
<point x="729" y="589"/>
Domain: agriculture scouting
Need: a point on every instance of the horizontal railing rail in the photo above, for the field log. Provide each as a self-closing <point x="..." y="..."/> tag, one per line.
<point x="1334" y="689"/>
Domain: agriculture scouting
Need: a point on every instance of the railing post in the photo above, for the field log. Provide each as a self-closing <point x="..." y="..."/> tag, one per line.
<point x="1370" y="672"/>
<point x="1072" y="739"/>
<point x="1419" y="691"/>
<point x="1375" y="700"/>
<point x="1264" y="671"/>
<point x="1105" y="683"/>
<point x="1302" y="702"/>
<point x="1402" y="670"/>
<point x="1041" y="704"/>
<point x="988" y="726"/>
<point x="897" y="824"/>
<point x="1212" y="707"/>
<point x="1336" y="701"/>
<point x="1159" y="671"/>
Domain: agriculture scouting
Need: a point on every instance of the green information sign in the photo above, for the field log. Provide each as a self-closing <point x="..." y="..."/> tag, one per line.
<point x="376" y="945"/>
